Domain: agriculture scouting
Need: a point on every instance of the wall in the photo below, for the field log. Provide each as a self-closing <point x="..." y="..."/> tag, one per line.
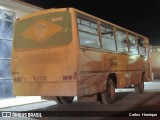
<point x="19" y="13"/>
<point x="18" y="7"/>
<point x="9" y="11"/>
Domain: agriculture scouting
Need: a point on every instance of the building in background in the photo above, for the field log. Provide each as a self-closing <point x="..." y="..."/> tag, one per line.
<point x="6" y="31"/>
<point x="9" y="11"/>
<point x="19" y="8"/>
<point x="156" y="61"/>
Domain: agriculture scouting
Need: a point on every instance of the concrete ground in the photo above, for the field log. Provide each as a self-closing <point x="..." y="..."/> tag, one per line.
<point x="127" y="100"/>
<point x="17" y="103"/>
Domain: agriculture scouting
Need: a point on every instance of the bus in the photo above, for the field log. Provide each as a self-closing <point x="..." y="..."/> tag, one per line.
<point x="63" y="53"/>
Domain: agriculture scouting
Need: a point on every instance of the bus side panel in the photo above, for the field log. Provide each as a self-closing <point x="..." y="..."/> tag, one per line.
<point x="116" y="62"/>
<point x="136" y="70"/>
<point x="91" y="83"/>
<point x="108" y="61"/>
<point x="128" y="78"/>
<point x="94" y="83"/>
<point x="90" y="61"/>
<point x="46" y="89"/>
<point x="134" y="61"/>
<point x="122" y="78"/>
<point x="18" y="91"/>
<point x="145" y="67"/>
<point x="143" y="63"/>
<point x="135" y="78"/>
<point x="91" y="71"/>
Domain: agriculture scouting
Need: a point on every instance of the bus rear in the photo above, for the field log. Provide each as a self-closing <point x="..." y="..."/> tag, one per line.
<point x="43" y="56"/>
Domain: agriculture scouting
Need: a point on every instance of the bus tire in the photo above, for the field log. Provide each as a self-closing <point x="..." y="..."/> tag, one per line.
<point x="109" y="95"/>
<point x="110" y="91"/>
<point x="140" y="87"/>
<point x="64" y="99"/>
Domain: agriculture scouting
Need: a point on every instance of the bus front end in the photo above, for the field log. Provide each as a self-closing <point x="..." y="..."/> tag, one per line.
<point x="44" y="54"/>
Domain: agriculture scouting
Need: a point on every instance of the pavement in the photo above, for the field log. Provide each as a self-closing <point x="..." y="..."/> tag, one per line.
<point x="32" y="102"/>
<point x="24" y="103"/>
<point x="9" y="102"/>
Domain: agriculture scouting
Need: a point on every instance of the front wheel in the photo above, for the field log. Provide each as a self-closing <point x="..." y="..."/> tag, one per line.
<point x="140" y="87"/>
<point x="65" y="99"/>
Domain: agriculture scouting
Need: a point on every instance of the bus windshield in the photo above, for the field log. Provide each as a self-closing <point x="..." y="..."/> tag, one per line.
<point x="43" y="31"/>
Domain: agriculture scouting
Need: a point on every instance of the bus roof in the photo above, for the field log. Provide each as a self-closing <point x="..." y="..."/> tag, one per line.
<point x="81" y="12"/>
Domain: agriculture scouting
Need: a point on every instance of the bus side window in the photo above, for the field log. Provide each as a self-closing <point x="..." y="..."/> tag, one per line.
<point x="108" y="40"/>
<point x="141" y="46"/>
<point x="121" y="41"/>
<point x="133" y="49"/>
<point x="88" y="34"/>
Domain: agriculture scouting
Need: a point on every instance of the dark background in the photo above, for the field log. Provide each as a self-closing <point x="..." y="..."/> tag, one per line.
<point x="141" y="16"/>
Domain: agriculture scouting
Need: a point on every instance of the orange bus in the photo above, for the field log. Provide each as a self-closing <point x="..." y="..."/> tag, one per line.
<point x="66" y="52"/>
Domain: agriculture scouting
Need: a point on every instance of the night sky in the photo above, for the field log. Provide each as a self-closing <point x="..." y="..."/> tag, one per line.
<point x="141" y="16"/>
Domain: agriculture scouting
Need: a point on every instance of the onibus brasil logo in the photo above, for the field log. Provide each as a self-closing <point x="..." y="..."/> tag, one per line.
<point x="21" y="114"/>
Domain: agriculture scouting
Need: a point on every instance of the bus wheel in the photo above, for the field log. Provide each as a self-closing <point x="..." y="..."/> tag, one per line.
<point x="110" y="91"/>
<point x="109" y="95"/>
<point x="65" y="99"/>
<point x="140" y="87"/>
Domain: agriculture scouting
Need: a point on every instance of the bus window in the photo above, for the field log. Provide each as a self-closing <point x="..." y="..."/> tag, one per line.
<point x="141" y="46"/>
<point x="132" y="44"/>
<point x="88" y="34"/>
<point x="121" y="41"/>
<point x="108" y="40"/>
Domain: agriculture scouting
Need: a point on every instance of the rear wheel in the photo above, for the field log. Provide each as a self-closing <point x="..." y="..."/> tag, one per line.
<point x="110" y="92"/>
<point x="109" y="95"/>
<point x="140" y="87"/>
<point x="64" y="100"/>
